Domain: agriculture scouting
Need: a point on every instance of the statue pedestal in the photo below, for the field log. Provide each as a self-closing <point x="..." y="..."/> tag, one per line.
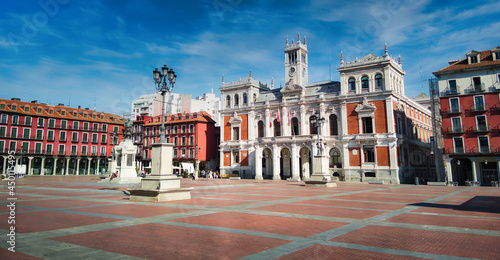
<point x="321" y="176"/>
<point x="162" y="184"/>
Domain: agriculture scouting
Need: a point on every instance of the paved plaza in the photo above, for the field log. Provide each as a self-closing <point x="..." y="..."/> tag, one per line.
<point x="75" y="217"/>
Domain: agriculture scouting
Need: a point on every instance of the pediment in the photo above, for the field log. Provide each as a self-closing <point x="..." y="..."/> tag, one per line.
<point x="365" y="107"/>
<point x="235" y="120"/>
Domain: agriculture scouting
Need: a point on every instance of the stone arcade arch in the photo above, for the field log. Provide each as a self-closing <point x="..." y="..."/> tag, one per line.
<point x="285" y="164"/>
<point x="267" y="164"/>
<point x="305" y="163"/>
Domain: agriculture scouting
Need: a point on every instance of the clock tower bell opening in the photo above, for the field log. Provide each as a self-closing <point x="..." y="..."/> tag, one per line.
<point x="296" y="59"/>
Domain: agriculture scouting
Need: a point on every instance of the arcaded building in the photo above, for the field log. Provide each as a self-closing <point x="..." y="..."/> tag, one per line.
<point x="365" y="124"/>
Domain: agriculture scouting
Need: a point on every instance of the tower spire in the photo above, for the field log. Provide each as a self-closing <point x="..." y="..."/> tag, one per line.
<point x="298" y="37"/>
<point x="305" y="42"/>
<point x="386" y="51"/>
<point x="341" y="57"/>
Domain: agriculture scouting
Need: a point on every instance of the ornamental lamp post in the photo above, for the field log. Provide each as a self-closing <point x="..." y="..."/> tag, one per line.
<point x="163" y="87"/>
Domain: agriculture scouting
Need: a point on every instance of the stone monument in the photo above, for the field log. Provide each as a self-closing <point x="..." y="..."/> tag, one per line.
<point x="162" y="184"/>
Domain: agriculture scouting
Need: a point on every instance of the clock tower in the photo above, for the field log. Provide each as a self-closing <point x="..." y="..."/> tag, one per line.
<point x="296" y="62"/>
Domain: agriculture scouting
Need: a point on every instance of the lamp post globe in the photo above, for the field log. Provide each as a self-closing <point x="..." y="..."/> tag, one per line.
<point x="164" y="81"/>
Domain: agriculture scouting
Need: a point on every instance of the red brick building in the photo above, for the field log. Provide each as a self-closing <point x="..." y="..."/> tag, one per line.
<point x="51" y="139"/>
<point x="469" y="92"/>
<point x="194" y="136"/>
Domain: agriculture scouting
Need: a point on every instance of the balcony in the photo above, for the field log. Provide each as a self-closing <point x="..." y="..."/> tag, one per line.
<point x="453" y="110"/>
<point x="476" y="88"/>
<point x="483" y="150"/>
<point x="62" y="139"/>
<point x="454" y="130"/>
<point x="456" y="150"/>
<point x="477" y="109"/>
<point x="451" y="92"/>
<point x="74" y="140"/>
<point x="481" y="129"/>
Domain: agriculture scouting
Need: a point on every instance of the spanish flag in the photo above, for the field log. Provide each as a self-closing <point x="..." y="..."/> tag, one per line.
<point x="278" y="116"/>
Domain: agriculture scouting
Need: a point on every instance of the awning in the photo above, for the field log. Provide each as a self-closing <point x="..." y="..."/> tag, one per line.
<point x="188" y="166"/>
<point x="176" y="167"/>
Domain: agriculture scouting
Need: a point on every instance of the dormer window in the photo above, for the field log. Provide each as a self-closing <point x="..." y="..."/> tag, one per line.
<point x="473" y="57"/>
<point x="495" y="53"/>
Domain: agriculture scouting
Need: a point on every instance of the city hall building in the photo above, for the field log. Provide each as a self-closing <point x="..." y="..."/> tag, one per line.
<point x="365" y="124"/>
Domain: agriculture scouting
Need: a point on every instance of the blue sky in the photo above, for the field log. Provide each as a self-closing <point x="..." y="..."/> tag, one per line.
<point x="102" y="53"/>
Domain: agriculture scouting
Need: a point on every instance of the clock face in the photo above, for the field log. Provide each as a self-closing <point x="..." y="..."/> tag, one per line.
<point x="291" y="72"/>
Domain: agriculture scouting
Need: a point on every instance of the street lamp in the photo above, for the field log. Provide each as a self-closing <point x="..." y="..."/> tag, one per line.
<point x="319" y="121"/>
<point x="162" y="86"/>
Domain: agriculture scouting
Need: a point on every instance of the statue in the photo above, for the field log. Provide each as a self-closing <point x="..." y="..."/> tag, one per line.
<point x="127" y="132"/>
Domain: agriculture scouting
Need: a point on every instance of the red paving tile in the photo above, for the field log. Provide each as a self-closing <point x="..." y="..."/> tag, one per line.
<point x="59" y="203"/>
<point x="288" y="193"/>
<point x="434" y="242"/>
<point x="379" y="199"/>
<point x="156" y="241"/>
<point x="209" y="202"/>
<point x="321" y="252"/>
<point x="352" y="204"/>
<point x="436" y="220"/>
<point x="456" y="210"/>
<point x="250" y="197"/>
<point x="262" y="223"/>
<point x="58" y="193"/>
<point x="321" y="211"/>
<point x="6" y="254"/>
<point x="133" y="210"/>
<point x="37" y="221"/>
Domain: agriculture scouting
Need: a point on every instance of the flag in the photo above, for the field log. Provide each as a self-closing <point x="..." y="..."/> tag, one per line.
<point x="270" y="119"/>
<point x="278" y="116"/>
<point x="289" y="117"/>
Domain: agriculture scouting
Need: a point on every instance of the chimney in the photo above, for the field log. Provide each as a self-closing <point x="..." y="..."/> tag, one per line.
<point x="60" y="104"/>
<point x="34" y="101"/>
<point x="79" y="107"/>
<point x="86" y="108"/>
<point x="15" y="99"/>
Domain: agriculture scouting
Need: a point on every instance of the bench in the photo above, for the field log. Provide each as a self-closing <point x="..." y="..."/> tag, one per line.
<point x="376" y="182"/>
<point x="230" y="176"/>
<point x="436" y="183"/>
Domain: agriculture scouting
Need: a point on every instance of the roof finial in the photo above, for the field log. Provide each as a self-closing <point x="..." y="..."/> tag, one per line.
<point x="386" y="52"/>
<point x="341" y="57"/>
<point x="287" y="40"/>
<point x="305" y="42"/>
<point x="272" y="81"/>
<point x="298" y="37"/>
<point x="399" y="59"/>
<point x="250" y="75"/>
<point x="222" y="78"/>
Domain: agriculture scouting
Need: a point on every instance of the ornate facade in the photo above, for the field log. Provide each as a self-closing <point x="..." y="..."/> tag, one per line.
<point x="365" y="124"/>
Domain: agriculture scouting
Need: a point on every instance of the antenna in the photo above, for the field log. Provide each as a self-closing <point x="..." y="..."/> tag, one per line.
<point x="95" y="101"/>
<point x="330" y="66"/>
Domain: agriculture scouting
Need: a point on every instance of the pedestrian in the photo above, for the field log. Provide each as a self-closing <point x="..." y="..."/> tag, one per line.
<point x="114" y="175"/>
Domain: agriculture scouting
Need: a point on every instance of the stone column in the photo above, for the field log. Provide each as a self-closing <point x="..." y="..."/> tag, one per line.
<point x="77" y="166"/>
<point x="5" y="158"/>
<point x="42" y="167"/>
<point x="295" y="163"/>
<point x="276" y="163"/>
<point x="29" y="166"/>
<point x="343" y="118"/>
<point x="89" y="160"/>
<point x="306" y="168"/>
<point x="346" y="162"/>
<point x="258" y="163"/>
<point x="284" y="122"/>
<point x="251" y="126"/>
<point x="390" y="115"/>
<point x="304" y="121"/>
<point x="268" y="124"/>
<point x="54" y="166"/>
<point x="97" y="166"/>
<point x="474" y="168"/>
<point x="66" y="172"/>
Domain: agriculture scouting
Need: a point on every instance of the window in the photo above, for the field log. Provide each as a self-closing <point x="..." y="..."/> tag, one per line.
<point x="168" y="130"/>
<point x="479" y="103"/>
<point x="313" y="127"/>
<point x="453" y="86"/>
<point x="50" y="135"/>
<point x="379" y="81"/>
<point x="26" y="133"/>
<point x="228" y="101"/>
<point x="2" y="144"/>
<point x="191" y="152"/>
<point x="103" y="139"/>
<point x="74" y="137"/>
<point x="62" y="136"/>
<point x="13" y="132"/>
<point x="15" y="119"/>
<point x="183" y="141"/>
<point x="104" y="127"/>
<point x="103" y="150"/>
<point x="277" y="128"/>
<point x="40" y="122"/>
<point x="175" y="153"/>
<point x="236" y="100"/>
<point x="183" y="129"/>
<point x="25" y="147"/>
<point x="115" y="129"/>
<point x="295" y="126"/>
<point x="260" y="129"/>
<point x="352" y="84"/>
<point x="48" y="150"/>
<point x="51" y="112"/>
<point x="454" y="105"/>
<point x="456" y="124"/>
<point x="3" y="131"/>
<point x="364" y="83"/>
<point x="191" y="128"/>
<point x="245" y="98"/>
<point x="93" y="150"/>
<point x="473" y="59"/>
<point x="368" y="154"/>
<point x="27" y="120"/>
<point x="335" y="159"/>
<point x="75" y="125"/>
<point x="191" y="140"/>
<point x="38" y="148"/>
<point x="2" y="106"/>
<point x="367" y="125"/>
<point x="175" y="141"/>
<point x="236" y="156"/>
<point x="26" y="109"/>
<point x="481" y="125"/>
<point x="94" y="138"/>
<point x="236" y="133"/>
<point x="39" y="134"/>
<point x="333" y="125"/>
<point x="12" y="146"/>
<point x="85" y="137"/>
<point x="4" y="119"/>
<point x="183" y="152"/>
<point x="61" y="149"/>
<point x="458" y="145"/>
<point x="14" y="108"/>
<point x="63" y="124"/>
<point x="484" y="146"/>
<point x="95" y="126"/>
<point x="52" y="123"/>
<point x="477" y="83"/>
<point x="73" y="150"/>
<point x="175" y="129"/>
<point x="86" y="126"/>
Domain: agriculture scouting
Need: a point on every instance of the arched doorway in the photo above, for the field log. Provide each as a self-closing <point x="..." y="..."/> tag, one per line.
<point x="285" y="164"/>
<point x="267" y="164"/>
<point x="335" y="162"/>
<point x="305" y="163"/>
<point x="461" y="170"/>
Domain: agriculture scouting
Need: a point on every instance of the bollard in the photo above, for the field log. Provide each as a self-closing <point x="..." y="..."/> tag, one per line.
<point x="416" y="181"/>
